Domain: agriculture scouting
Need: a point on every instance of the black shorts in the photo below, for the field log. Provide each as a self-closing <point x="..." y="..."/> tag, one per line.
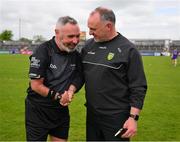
<point x="41" y="121"/>
<point x="104" y="127"/>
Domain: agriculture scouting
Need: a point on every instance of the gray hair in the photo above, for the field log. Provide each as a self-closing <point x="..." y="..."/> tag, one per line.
<point x="106" y="14"/>
<point x="64" y="20"/>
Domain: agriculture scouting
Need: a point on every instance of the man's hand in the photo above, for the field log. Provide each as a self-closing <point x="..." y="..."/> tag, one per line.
<point x="71" y="94"/>
<point x="131" y="126"/>
<point x="64" y="101"/>
<point x="66" y="98"/>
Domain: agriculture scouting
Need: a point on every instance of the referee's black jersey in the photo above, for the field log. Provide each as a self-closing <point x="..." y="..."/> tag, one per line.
<point x="59" y="70"/>
<point x="114" y="76"/>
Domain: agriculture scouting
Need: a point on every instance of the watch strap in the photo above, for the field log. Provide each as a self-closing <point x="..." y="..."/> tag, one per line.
<point x="54" y="95"/>
<point x="134" y="116"/>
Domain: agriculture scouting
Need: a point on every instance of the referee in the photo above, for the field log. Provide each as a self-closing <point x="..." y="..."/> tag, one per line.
<point x="55" y="75"/>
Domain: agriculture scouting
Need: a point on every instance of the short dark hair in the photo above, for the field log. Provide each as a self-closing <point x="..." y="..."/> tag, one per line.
<point x="106" y="14"/>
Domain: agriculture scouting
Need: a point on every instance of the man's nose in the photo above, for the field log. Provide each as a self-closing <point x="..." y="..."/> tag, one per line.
<point x="75" y="40"/>
<point x="91" y="32"/>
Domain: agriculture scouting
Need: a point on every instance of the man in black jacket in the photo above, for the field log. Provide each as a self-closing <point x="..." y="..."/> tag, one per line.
<point x="55" y="75"/>
<point x="115" y="82"/>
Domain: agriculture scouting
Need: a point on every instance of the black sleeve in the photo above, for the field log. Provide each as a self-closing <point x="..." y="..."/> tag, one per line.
<point x="136" y="79"/>
<point x="38" y="63"/>
<point x="78" y="79"/>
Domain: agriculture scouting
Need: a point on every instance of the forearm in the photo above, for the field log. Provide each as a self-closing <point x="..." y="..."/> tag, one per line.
<point x="135" y="111"/>
<point x="39" y="87"/>
<point x="78" y="79"/>
<point x="78" y="83"/>
<point x="137" y="96"/>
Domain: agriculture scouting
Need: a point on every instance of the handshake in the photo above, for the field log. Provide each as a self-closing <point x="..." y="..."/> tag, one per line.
<point x="65" y="98"/>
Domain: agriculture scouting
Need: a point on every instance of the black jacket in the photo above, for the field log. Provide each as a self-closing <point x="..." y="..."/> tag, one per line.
<point x="114" y="76"/>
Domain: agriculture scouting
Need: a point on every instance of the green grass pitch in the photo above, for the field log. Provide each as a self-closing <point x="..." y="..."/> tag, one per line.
<point x="159" y="119"/>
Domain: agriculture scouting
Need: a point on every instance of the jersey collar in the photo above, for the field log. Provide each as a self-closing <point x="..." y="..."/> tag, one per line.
<point x="55" y="47"/>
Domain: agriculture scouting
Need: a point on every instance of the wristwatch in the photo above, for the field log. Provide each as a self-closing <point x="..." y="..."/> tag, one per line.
<point x="57" y="96"/>
<point x="54" y="95"/>
<point x="135" y="117"/>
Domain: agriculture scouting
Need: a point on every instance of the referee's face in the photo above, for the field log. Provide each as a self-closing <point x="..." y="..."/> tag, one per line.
<point x="69" y="37"/>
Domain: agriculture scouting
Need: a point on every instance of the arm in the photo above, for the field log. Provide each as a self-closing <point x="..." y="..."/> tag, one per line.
<point x="137" y="89"/>
<point x="131" y="124"/>
<point x="38" y="86"/>
<point x="76" y="83"/>
<point x="78" y="79"/>
<point x="39" y="62"/>
<point x="136" y="80"/>
<point x="38" y="65"/>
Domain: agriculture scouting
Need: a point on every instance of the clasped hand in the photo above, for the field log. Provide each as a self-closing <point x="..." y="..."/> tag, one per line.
<point x="67" y="97"/>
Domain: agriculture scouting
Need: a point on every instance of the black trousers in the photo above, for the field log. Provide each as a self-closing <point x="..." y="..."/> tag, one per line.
<point x="41" y="121"/>
<point x="104" y="127"/>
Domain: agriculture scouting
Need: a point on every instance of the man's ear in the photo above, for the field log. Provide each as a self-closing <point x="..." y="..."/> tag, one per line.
<point x="56" y="31"/>
<point x="109" y="25"/>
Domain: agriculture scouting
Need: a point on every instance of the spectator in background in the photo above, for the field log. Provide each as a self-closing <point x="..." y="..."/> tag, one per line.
<point x="55" y="75"/>
<point x="174" y="57"/>
<point x="115" y="82"/>
<point x="13" y="51"/>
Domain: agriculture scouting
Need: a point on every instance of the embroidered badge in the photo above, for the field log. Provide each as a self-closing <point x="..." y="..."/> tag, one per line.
<point x="35" y="63"/>
<point x="110" y="56"/>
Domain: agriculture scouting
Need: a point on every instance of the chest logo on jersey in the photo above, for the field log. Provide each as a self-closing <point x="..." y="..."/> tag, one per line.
<point x="53" y="66"/>
<point x="110" y="56"/>
<point x="73" y="66"/>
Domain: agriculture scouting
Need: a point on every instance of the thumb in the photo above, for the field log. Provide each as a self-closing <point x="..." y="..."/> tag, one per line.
<point x="70" y="97"/>
<point x="125" y="124"/>
<point x="64" y="93"/>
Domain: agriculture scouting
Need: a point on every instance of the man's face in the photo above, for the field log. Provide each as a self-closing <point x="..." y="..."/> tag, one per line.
<point x="97" y="28"/>
<point x="68" y="37"/>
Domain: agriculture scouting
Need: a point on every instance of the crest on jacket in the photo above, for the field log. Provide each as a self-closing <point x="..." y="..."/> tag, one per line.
<point x="110" y="56"/>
